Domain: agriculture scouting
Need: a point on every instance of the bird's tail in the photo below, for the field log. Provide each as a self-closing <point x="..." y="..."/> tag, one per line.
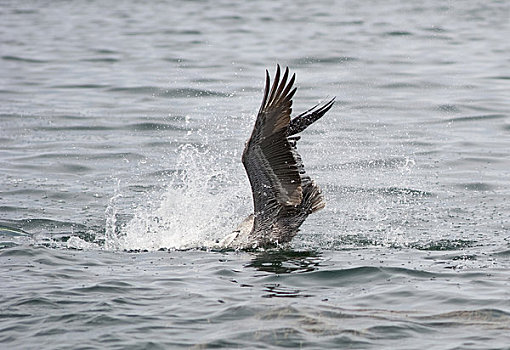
<point x="293" y="216"/>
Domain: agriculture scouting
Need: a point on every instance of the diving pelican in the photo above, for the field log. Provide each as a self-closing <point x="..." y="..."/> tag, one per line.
<point x="283" y="195"/>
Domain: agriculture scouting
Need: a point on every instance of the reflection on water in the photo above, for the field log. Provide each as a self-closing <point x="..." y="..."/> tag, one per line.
<point x="277" y="290"/>
<point x="286" y="261"/>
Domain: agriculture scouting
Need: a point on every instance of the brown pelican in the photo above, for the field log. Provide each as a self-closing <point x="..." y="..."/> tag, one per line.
<point x="283" y="195"/>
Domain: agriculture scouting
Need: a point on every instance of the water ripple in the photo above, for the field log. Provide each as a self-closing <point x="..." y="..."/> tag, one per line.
<point x="23" y="59"/>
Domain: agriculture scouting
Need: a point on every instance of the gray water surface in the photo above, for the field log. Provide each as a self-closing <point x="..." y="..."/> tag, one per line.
<point x="121" y="133"/>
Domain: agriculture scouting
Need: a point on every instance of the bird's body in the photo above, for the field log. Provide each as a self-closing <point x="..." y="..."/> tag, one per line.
<point x="283" y="195"/>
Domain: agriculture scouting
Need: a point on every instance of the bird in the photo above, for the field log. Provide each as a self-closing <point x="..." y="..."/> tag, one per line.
<point x="283" y="194"/>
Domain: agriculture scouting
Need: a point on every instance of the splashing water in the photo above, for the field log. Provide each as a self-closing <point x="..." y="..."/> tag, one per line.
<point x="111" y="219"/>
<point x="209" y="195"/>
<point x="201" y="204"/>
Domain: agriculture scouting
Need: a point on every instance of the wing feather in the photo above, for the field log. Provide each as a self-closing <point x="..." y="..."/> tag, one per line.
<point x="268" y="157"/>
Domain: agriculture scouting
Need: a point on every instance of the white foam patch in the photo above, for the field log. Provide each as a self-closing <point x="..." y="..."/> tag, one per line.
<point x="75" y="242"/>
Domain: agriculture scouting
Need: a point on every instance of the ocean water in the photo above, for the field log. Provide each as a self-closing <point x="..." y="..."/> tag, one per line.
<point x="121" y="132"/>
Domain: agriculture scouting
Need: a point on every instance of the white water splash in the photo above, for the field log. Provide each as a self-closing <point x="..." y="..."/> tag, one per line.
<point x="111" y="219"/>
<point x="200" y="205"/>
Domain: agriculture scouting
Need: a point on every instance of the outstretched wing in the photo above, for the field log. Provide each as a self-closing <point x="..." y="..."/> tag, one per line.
<point x="281" y="189"/>
<point x="268" y="157"/>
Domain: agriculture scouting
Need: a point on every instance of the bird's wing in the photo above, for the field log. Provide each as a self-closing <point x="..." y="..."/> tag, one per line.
<point x="268" y="157"/>
<point x="305" y="119"/>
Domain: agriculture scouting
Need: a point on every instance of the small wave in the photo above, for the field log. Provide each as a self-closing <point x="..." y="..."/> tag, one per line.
<point x="36" y="301"/>
<point x="182" y="32"/>
<point x="397" y="191"/>
<point x="436" y="29"/>
<point x="24" y="11"/>
<point x="444" y="244"/>
<point x="501" y="77"/>
<point x="148" y="126"/>
<point x="345" y="276"/>
<point x="24" y="191"/>
<point x="354" y="241"/>
<point x="476" y="186"/>
<point x="473" y="118"/>
<point x="61" y="167"/>
<point x="448" y="108"/>
<point x="142" y="90"/>
<point x="10" y="92"/>
<point x="478" y="316"/>
<point x="394" y="162"/>
<point x="504" y="253"/>
<point x="72" y="168"/>
<point x="175" y="59"/>
<point x="23" y="59"/>
<point x="76" y="128"/>
<point x="165" y="173"/>
<point x="80" y="86"/>
<point x="49" y="225"/>
<point x="276" y="290"/>
<point x="389" y="191"/>
<point x="398" y="33"/>
<point x="8" y="231"/>
<point x="101" y="60"/>
<point x="111" y="155"/>
<point x="303" y="61"/>
<point x="106" y="51"/>
<point x="82" y="156"/>
<point x="171" y="93"/>
<point x="21" y="251"/>
<point x="355" y="22"/>
<point x="144" y="188"/>
<point x="355" y="275"/>
<point x="401" y="85"/>
<point x="114" y="287"/>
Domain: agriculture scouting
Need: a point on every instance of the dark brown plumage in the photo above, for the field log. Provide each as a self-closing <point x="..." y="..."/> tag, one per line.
<point x="283" y="195"/>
